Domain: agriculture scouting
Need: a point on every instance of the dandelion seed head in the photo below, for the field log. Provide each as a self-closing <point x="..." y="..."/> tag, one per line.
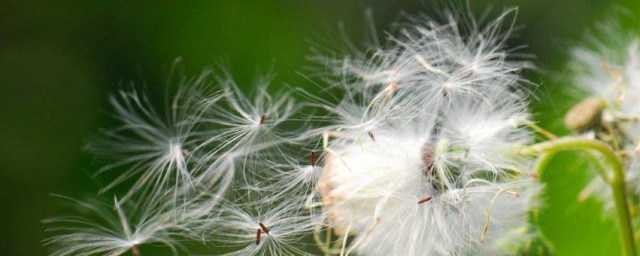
<point x="367" y="183"/>
<point x="423" y="159"/>
<point x="418" y="155"/>
<point x="607" y="66"/>
<point x="432" y="63"/>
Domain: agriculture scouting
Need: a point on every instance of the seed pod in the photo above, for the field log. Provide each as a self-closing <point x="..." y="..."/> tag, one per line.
<point x="585" y="115"/>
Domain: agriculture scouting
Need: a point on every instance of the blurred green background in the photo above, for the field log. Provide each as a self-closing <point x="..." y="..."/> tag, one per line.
<point x="59" y="61"/>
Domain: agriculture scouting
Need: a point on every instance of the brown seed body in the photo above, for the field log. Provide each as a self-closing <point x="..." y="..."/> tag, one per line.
<point x="264" y="228"/>
<point x="258" y="234"/>
<point x="424" y="200"/>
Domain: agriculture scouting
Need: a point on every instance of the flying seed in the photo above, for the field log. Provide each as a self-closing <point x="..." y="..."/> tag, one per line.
<point x="258" y="234"/>
<point x="264" y="228"/>
<point x="424" y="200"/>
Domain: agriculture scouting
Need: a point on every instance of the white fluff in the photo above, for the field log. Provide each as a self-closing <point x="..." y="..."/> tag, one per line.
<point x="262" y="229"/>
<point x="154" y="147"/>
<point x="113" y="229"/>
<point x="607" y="66"/>
<point x="437" y="115"/>
<point x="419" y="156"/>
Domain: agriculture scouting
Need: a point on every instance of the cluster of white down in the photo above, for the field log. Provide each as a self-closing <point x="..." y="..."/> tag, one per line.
<point x="421" y="158"/>
<point x="182" y="175"/>
<point x="608" y="68"/>
<point x="424" y="157"/>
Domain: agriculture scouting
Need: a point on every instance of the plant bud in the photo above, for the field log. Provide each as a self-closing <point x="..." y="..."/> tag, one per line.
<point x="585" y="115"/>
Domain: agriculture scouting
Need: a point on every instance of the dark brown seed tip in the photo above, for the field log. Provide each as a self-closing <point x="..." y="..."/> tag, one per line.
<point x="424" y="200"/>
<point x="313" y="158"/>
<point x="264" y="228"/>
<point x="262" y="119"/>
<point x="258" y="233"/>
<point x="373" y="138"/>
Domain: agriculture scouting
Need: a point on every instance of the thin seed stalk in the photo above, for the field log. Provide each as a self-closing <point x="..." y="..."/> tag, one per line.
<point x="135" y="250"/>
<point x="615" y="179"/>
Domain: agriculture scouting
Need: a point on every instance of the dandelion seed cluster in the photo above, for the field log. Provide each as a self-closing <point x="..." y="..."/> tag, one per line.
<point x="423" y="158"/>
<point x="607" y="67"/>
<point x="420" y="156"/>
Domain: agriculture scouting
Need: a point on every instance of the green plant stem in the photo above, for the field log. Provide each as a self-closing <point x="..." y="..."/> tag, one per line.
<point x="542" y="163"/>
<point x="615" y="179"/>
